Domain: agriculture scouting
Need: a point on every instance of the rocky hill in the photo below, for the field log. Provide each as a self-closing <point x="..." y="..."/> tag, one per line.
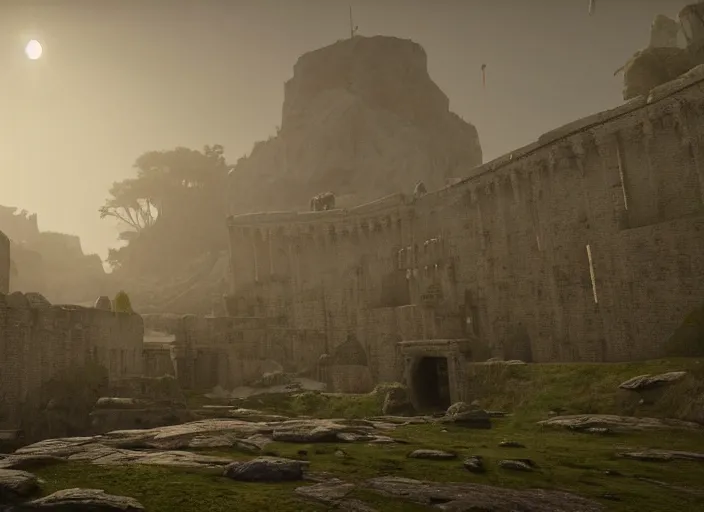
<point x="362" y="118"/>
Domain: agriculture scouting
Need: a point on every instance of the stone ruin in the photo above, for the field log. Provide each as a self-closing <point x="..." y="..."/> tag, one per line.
<point x="664" y="59"/>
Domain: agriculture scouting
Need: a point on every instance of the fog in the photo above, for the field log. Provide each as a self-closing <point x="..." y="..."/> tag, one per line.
<point x="118" y="78"/>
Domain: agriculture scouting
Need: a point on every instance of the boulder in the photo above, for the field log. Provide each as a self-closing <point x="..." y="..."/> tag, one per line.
<point x="652" y="67"/>
<point x="16" y="485"/>
<point x="583" y="422"/>
<point x="648" y="382"/>
<point x="474" y="418"/>
<point x="397" y="401"/>
<point x="84" y="500"/>
<point x="266" y="469"/>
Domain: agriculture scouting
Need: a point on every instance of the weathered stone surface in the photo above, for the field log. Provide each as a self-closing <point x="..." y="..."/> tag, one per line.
<point x="646" y="382"/>
<point x="16" y="485"/>
<point x="266" y="469"/>
<point x="617" y="423"/>
<point x="397" y="401"/>
<point x="652" y="67"/>
<point x="432" y="455"/>
<point x="474" y="464"/>
<point x="459" y="407"/>
<point x="379" y="85"/>
<point x="160" y="446"/>
<point x="470" y="497"/>
<point x="84" y="500"/>
<point x="333" y="493"/>
<point x="515" y="465"/>
<point x="511" y="444"/>
<point x="27" y="462"/>
<point x="662" y="455"/>
<point x="474" y="418"/>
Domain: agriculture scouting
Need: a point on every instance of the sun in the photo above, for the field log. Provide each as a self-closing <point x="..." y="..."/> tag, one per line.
<point x="33" y="49"/>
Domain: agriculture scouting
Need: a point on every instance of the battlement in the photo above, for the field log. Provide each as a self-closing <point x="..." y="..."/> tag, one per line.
<point x="379" y="206"/>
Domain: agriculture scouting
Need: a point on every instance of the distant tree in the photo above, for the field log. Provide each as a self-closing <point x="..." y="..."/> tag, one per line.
<point x="122" y="303"/>
<point x="180" y="181"/>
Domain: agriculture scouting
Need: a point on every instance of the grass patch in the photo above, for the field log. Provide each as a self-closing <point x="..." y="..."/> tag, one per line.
<point x="565" y="460"/>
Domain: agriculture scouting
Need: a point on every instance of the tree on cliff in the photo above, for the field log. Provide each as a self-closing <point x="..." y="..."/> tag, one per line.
<point x="174" y="192"/>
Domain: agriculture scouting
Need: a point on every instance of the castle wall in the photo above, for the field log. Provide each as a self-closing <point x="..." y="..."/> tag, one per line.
<point x="231" y="352"/>
<point x="4" y="263"/>
<point x="37" y="343"/>
<point x="584" y="246"/>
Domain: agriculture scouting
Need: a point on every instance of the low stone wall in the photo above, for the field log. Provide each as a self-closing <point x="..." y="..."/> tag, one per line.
<point x="39" y="341"/>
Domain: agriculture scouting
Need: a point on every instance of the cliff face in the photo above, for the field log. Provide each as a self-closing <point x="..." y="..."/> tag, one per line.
<point x="363" y="119"/>
<point x="52" y="264"/>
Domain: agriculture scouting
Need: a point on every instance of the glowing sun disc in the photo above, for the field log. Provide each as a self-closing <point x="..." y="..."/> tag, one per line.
<point x="33" y="49"/>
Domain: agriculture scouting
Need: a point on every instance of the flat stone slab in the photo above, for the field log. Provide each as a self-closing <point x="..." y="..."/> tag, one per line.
<point x="465" y="496"/>
<point x="432" y="455"/>
<point x="662" y="455"/>
<point x="644" y="382"/>
<point x="582" y="422"/>
<point x="164" y="445"/>
<point x="84" y="500"/>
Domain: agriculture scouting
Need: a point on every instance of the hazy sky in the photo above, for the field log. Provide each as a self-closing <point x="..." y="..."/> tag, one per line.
<point x="120" y="77"/>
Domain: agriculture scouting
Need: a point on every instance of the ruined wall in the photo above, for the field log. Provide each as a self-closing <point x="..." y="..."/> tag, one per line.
<point x="587" y="245"/>
<point x="38" y="342"/>
<point x="4" y="263"/>
<point x="231" y="352"/>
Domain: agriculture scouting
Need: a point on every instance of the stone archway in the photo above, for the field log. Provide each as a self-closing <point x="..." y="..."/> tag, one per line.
<point x="430" y="383"/>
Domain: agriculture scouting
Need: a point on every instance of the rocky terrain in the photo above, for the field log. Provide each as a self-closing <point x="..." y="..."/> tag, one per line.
<point x="363" y="119"/>
<point x="544" y="452"/>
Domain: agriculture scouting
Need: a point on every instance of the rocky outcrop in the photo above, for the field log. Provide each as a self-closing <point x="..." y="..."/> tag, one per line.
<point x="361" y="118"/>
<point x="52" y="264"/>
<point x="586" y="422"/>
<point x="84" y="500"/>
<point x="663" y="60"/>
<point x="464" y="496"/>
<point x="647" y="382"/>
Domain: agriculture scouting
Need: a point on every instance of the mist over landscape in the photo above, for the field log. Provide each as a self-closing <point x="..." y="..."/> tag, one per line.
<point x="130" y="77"/>
<point x="372" y="255"/>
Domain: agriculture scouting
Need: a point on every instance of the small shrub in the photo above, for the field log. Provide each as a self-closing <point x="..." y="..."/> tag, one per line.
<point x="122" y="303"/>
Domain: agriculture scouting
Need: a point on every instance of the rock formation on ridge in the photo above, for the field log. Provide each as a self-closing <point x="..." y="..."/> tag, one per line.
<point x="362" y="118"/>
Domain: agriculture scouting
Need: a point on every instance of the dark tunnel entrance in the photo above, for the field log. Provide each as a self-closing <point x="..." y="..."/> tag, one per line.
<point x="431" y="384"/>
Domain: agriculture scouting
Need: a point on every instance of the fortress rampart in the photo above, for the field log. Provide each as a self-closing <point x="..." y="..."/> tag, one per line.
<point x="587" y="245"/>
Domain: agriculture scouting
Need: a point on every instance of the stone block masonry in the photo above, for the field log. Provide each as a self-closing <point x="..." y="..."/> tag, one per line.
<point x="38" y="341"/>
<point x="587" y="245"/>
<point x="4" y="263"/>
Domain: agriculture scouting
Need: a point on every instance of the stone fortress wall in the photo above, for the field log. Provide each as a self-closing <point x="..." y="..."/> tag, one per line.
<point x="587" y="245"/>
<point x="4" y="263"/>
<point x="39" y="341"/>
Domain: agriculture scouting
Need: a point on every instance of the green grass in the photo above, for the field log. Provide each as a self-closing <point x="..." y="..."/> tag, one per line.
<point x="566" y="460"/>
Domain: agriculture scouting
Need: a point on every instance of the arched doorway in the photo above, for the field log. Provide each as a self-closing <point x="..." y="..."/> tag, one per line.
<point x="430" y="384"/>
